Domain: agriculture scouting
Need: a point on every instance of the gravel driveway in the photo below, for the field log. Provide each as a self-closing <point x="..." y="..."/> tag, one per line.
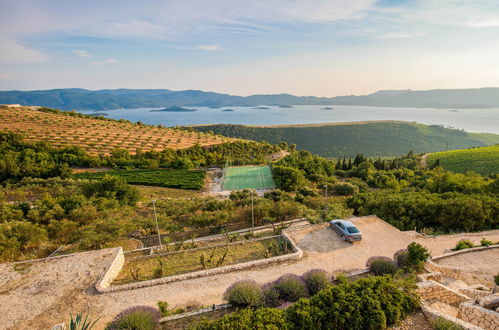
<point x="76" y="275"/>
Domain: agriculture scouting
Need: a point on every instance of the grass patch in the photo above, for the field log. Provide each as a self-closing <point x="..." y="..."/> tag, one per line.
<point x="189" y="261"/>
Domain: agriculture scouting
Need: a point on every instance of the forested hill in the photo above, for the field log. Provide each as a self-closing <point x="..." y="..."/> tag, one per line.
<point x="83" y="99"/>
<point x="374" y="139"/>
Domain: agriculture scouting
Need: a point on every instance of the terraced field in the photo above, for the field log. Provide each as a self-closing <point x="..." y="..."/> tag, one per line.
<point x="483" y="160"/>
<point x="97" y="135"/>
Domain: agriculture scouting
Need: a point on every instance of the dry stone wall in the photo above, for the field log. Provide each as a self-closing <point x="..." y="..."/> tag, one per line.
<point x="431" y="290"/>
<point x="112" y="271"/>
<point x="478" y="315"/>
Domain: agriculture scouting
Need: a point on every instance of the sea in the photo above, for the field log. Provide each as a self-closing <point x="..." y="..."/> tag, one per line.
<point x="470" y="120"/>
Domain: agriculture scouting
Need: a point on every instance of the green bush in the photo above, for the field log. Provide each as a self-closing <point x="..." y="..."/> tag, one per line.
<point x="316" y="280"/>
<point x="262" y="318"/>
<point x="291" y="287"/>
<point x="163" y="308"/>
<point x="417" y="254"/>
<point x="496" y="279"/>
<point x="345" y="189"/>
<point x="134" y="318"/>
<point x="245" y="293"/>
<point x="463" y="244"/>
<point x="486" y="242"/>
<point x="382" y="267"/>
<point x="442" y="324"/>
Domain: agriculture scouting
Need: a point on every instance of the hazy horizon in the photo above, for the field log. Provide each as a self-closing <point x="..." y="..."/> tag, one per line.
<point x="315" y="47"/>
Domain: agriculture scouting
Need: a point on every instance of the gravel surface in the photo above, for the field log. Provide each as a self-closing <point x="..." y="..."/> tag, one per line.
<point x="49" y="291"/>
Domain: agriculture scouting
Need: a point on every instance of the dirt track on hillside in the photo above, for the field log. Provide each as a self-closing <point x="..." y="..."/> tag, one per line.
<point x="35" y="305"/>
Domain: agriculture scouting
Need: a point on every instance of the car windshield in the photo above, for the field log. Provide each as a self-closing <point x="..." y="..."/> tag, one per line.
<point x="352" y="230"/>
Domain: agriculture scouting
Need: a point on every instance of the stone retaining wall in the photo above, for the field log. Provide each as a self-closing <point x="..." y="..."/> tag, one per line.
<point x="453" y="272"/>
<point x="432" y="314"/>
<point x="103" y="285"/>
<point x="112" y="270"/>
<point x="431" y="290"/>
<point x="477" y="315"/>
<point x="196" y="312"/>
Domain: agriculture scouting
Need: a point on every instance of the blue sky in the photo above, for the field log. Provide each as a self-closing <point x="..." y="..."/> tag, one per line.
<point x="303" y="47"/>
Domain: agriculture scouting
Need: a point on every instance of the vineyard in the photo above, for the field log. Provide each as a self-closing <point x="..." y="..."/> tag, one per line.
<point x="169" y="178"/>
<point x="481" y="160"/>
<point x="97" y="135"/>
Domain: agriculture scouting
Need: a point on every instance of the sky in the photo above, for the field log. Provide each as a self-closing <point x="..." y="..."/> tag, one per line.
<point x="301" y="47"/>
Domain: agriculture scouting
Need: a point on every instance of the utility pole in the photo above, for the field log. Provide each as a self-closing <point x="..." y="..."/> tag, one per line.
<point x="325" y="195"/>
<point x="157" y="226"/>
<point x="252" y="214"/>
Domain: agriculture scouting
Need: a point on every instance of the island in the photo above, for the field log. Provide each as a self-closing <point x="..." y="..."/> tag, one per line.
<point x="285" y="106"/>
<point x="174" y="109"/>
<point x="262" y="108"/>
<point x="327" y="108"/>
<point x="228" y="110"/>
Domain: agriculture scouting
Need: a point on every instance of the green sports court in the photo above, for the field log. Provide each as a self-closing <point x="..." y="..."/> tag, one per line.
<point x="248" y="177"/>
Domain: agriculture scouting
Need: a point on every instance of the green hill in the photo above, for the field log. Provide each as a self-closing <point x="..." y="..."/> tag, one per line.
<point x="483" y="160"/>
<point x="374" y="139"/>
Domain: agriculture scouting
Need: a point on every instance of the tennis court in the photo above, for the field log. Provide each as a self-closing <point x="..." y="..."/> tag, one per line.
<point x="248" y="177"/>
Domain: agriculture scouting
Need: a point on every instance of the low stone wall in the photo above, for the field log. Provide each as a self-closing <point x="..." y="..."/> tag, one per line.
<point x="478" y="315"/>
<point x="474" y="293"/>
<point x="196" y="312"/>
<point x="432" y="314"/>
<point x="452" y="272"/>
<point x="103" y="285"/>
<point x="431" y="290"/>
<point x="112" y="270"/>
<point x="436" y="276"/>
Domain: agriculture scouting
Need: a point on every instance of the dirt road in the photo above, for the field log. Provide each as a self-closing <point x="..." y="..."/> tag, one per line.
<point x="30" y="304"/>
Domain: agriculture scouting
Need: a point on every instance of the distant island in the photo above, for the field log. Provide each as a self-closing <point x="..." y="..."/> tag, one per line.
<point x="228" y="110"/>
<point x="174" y="109"/>
<point x="327" y="108"/>
<point x="94" y="100"/>
<point x="262" y="108"/>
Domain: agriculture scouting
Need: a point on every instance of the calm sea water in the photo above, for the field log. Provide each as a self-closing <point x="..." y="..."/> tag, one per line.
<point x="471" y="120"/>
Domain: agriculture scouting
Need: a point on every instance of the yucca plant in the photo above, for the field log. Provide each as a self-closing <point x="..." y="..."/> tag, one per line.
<point x="80" y="323"/>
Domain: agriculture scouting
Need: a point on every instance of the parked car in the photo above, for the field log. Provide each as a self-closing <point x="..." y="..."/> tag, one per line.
<point x="346" y="229"/>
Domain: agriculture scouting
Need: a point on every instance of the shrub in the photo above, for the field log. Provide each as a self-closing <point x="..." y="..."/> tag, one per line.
<point x="463" y="244"/>
<point x="486" y="242"/>
<point x="442" y="324"/>
<point x="79" y="323"/>
<point x="316" y="280"/>
<point x="291" y="287"/>
<point x="417" y="254"/>
<point x="271" y="296"/>
<point x="382" y="267"/>
<point x="401" y="258"/>
<point x="262" y="318"/>
<point x="496" y="279"/>
<point x="163" y="308"/>
<point x="345" y="189"/>
<point x="245" y="293"/>
<point x="374" y="258"/>
<point x="138" y="317"/>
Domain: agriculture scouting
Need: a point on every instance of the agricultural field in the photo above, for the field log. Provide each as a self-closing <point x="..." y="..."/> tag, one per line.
<point x="248" y="177"/>
<point x="170" y="178"/>
<point x="97" y="135"/>
<point x="483" y="160"/>
<point x="147" y="268"/>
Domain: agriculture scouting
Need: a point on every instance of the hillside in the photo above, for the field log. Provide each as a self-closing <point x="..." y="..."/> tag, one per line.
<point x="374" y="139"/>
<point x="97" y="135"/>
<point x="483" y="160"/>
<point x="82" y="99"/>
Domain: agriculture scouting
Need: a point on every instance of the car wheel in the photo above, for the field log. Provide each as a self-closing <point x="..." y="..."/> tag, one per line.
<point x="344" y="238"/>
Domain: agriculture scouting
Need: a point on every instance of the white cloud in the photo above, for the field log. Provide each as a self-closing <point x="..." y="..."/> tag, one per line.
<point x="209" y="48"/>
<point x="13" y="52"/>
<point x="401" y="35"/>
<point x="4" y="76"/>
<point x="96" y="63"/>
<point x="111" y="60"/>
<point x="82" y="53"/>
